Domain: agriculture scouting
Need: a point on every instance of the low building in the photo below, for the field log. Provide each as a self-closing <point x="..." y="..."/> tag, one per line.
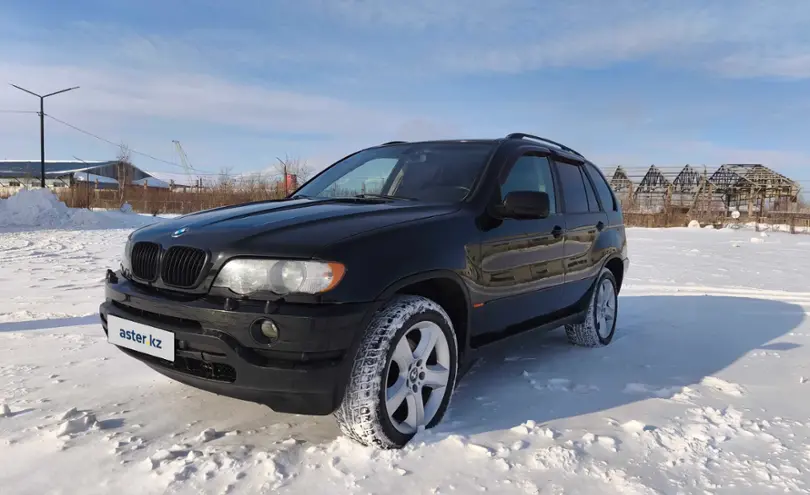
<point x="17" y="174"/>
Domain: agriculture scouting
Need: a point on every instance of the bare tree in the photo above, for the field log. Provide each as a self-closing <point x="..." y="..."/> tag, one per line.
<point x="802" y="205"/>
<point x="225" y="176"/>
<point x="124" y="153"/>
<point x="291" y="166"/>
<point x="124" y="165"/>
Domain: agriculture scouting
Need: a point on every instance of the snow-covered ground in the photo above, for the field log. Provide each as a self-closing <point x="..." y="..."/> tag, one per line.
<point x="704" y="390"/>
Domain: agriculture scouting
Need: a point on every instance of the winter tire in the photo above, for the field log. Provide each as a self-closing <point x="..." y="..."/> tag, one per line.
<point x="403" y="375"/>
<point x="600" y="321"/>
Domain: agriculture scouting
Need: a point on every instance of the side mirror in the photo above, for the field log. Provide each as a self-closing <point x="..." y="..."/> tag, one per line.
<point x="525" y="204"/>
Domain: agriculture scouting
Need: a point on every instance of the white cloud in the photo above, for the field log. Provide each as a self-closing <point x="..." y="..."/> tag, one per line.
<point x="125" y="94"/>
<point x="513" y="36"/>
<point x="146" y="87"/>
<point x="791" y="63"/>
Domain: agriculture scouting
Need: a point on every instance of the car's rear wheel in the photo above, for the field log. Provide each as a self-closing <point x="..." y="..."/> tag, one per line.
<point x="600" y="320"/>
<point x="403" y="375"/>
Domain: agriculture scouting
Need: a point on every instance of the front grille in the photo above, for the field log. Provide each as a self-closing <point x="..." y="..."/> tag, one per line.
<point x="182" y="266"/>
<point x="220" y="372"/>
<point x="145" y="258"/>
<point x="158" y="319"/>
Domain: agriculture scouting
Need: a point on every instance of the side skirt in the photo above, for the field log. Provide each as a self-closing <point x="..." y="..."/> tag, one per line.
<point x="472" y="356"/>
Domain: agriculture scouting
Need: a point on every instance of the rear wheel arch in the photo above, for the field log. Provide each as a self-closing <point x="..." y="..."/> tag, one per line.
<point x="616" y="266"/>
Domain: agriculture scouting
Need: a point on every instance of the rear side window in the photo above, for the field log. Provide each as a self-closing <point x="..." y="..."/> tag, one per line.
<point x="593" y="205"/>
<point x="574" y="194"/>
<point x="602" y="188"/>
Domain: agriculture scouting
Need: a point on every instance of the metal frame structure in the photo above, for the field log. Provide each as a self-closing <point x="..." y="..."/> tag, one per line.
<point x="752" y="188"/>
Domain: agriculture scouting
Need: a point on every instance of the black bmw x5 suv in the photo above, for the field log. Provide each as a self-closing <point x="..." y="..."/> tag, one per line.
<point x="368" y="292"/>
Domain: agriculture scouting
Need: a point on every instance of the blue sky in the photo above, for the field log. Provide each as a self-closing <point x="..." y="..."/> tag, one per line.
<point x="242" y="82"/>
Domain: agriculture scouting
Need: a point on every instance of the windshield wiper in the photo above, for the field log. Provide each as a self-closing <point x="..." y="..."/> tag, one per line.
<point x="384" y="196"/>
<point x="357" y="197"/>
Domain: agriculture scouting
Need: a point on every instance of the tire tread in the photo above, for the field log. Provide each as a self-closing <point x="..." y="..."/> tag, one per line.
<point x="358" y="415"/>
<point x="584" y="334"/>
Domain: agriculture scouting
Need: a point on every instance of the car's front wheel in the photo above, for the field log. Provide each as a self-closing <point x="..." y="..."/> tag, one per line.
<point x="403" y="375"/>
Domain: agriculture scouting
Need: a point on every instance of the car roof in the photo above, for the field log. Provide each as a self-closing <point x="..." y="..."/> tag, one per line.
<point x="517" y="138"/>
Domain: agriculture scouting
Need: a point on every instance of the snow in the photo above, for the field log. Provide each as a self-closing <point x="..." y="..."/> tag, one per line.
<point x="86" y="177"/>
<point x="151" y="182"/>
<point x="41" y="208"/>
<point x="703" y="390"/>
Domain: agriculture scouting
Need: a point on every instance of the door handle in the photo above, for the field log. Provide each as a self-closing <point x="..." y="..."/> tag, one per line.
<point x="600" y="225"/>
<point x="556" y="231"/>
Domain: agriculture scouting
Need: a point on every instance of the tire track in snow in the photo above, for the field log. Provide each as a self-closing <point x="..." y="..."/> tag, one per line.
<point x="37" y="247"/>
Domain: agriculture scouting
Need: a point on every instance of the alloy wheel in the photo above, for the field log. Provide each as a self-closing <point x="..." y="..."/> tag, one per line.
<point x="417" y="377"/>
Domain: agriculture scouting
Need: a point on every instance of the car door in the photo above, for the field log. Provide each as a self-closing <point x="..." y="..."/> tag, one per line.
<point x="521" y="260"/>
<point x="584" y="222"/>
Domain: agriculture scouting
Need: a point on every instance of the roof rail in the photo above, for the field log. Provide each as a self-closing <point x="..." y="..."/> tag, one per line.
<point x="394" y="142"/>
<point x="520" y="135"/>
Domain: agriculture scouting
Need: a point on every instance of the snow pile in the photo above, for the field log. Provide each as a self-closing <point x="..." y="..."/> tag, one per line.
<point x="74" y="421"/>
<point x="41" y="208"/>
<point x="694" y="224"/>
<point x="126" y="208"/>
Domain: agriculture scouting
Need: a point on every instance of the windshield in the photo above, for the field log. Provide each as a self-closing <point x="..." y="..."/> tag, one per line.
<point x="441" y="172"/>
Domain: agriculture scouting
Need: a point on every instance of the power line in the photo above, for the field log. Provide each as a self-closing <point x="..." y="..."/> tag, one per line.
<point x="639" y="171"/>
<point x="18" y="111"/>
<point x="96" y="136"/>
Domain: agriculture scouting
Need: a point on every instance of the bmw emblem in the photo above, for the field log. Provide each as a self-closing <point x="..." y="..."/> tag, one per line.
<point x="179" y="232"/>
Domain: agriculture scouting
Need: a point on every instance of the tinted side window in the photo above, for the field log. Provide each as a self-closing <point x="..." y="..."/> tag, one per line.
<point x="531" y="173"/>
<point x="593" y="205"/>
<point x="574" y="195"/>
<point x="602" y="188"/>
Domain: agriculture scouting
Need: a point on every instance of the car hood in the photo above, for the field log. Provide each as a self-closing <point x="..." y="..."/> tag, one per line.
<point x="298" y="227"/>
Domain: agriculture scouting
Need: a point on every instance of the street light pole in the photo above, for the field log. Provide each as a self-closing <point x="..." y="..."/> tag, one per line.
<point x="42" y="127"/>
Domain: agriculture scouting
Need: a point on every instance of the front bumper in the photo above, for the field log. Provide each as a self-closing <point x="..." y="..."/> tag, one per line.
<point x="303" y="372"/>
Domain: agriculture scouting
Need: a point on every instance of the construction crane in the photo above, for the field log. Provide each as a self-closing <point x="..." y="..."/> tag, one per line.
<point x="184" y="162"/>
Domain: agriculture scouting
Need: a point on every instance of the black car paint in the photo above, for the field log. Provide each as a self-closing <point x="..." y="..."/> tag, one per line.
<point x="513" y="275"/>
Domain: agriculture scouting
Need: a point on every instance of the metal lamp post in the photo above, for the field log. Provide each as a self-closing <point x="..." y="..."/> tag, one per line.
<point x="42" y="126"/>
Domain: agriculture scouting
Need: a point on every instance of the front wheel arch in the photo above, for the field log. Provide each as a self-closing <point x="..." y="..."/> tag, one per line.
<point x="459" y="310"/>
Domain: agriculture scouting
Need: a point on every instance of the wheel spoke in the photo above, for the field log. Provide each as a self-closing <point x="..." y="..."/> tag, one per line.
<point x="416" y="410"/>
<point x="416" y="378"/>
<point x="403" y="356"/>
<point x="395" y="394"/>
<point x="436" y="376"/>
<point x="429" y="336"/>
<point x="601" y="327"/>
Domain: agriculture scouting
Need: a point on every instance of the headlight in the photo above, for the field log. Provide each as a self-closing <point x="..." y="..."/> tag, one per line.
<point x="246" y="276"/>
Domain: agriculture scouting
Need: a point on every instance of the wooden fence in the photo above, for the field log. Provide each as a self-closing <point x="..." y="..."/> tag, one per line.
<point x="163" y="201"/>
<point x="160" y="201"/>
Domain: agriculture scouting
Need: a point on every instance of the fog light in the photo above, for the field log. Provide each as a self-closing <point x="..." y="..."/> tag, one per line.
<point x="264" y="332"/>
<point x="269" y="330"/>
